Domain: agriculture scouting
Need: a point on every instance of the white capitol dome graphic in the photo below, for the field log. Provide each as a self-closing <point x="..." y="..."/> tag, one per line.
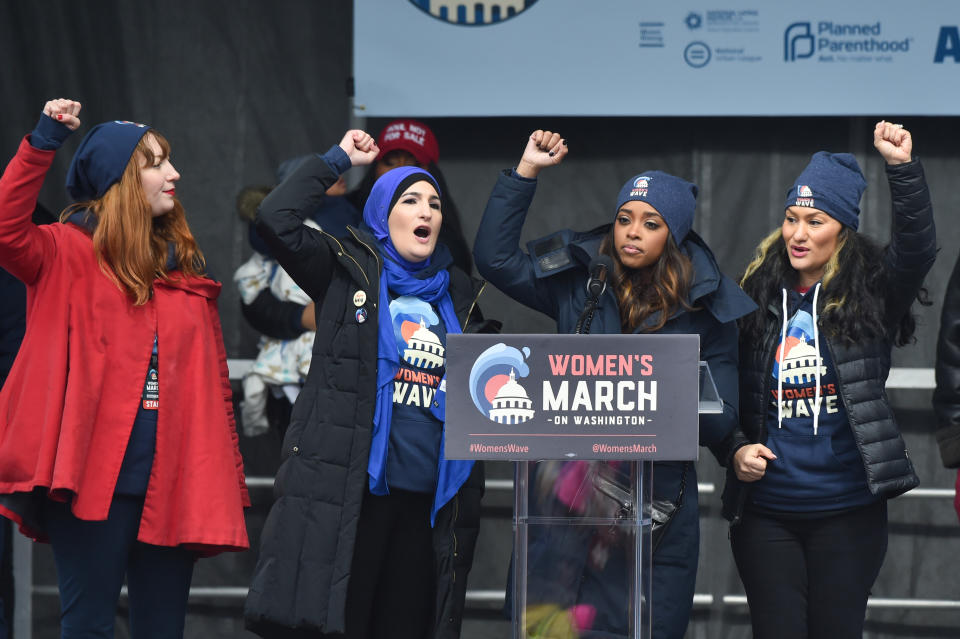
<point x="800" y="364"/>
<point x="511" y="404"/>
<point x="424" y="348"/>
<point x="475" y="12"/>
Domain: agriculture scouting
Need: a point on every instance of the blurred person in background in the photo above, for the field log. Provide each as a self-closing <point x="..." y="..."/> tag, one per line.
<point x="946" y="396"/>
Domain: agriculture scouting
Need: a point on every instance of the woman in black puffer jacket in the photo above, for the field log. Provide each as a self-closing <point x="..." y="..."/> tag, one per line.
<point x="819" y="452"/>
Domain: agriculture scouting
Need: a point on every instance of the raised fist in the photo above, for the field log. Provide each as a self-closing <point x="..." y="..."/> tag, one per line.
<point x="544" y="148"/>
<point x="360" y="146"/>
<point x="893" y="142"/>
<point x="64" y="111"/>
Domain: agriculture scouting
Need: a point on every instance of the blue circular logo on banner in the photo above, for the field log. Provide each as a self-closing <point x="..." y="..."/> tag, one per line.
<point x="697" y="54"/>
<point x="473" y="13"/>
<point x="494" y="385"/>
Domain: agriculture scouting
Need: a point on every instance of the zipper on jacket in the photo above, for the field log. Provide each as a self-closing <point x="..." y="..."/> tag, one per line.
<point x="343" y="251"/>
<point x="376" y="255"/>
<point x="453" y="532"/>
<point x="295" y="449"/>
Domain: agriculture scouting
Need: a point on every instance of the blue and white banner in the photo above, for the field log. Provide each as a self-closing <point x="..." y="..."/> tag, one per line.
<point x="638" y="57"/>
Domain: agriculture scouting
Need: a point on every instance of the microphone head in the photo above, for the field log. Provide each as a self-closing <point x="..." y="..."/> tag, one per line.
<point x="600" y="269"/>
<point x="601" y="266"/>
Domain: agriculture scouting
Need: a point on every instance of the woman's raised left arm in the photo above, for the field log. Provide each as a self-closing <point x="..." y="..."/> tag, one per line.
<point x="913" y="238"/>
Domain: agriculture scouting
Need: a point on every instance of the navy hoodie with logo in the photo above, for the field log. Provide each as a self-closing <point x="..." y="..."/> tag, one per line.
<point x="818" y="466"/>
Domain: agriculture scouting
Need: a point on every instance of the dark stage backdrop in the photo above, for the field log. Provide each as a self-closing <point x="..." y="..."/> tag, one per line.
<point x="239" y="86"/>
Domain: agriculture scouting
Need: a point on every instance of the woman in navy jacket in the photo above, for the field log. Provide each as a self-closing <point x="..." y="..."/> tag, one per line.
<point x="666" y="280"/>
<point x="819" y="451"/>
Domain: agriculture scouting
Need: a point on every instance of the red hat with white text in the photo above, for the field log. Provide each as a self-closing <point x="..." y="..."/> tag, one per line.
<point x="409" y="135"/>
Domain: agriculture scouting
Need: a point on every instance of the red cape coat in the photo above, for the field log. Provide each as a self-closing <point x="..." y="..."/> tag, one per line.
<point x="68" y="405"/>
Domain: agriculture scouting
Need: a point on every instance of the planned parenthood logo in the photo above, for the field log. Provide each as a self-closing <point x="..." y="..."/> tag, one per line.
<point x="798" y="41"/>
<point x="842" y="42"/>
<point x="472" y="13"/>
<point x="494" y="388"/>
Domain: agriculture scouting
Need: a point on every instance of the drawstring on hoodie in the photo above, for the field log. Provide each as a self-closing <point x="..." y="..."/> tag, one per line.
<point x="783" y="354"/>
<point x="817" y="364"/>
<point x="816" y="339"/>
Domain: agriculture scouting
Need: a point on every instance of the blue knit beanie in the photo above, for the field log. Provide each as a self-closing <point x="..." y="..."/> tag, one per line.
<point x="101" y="158"/>
<point x="674" y="198"/>
<point x="833" y="183"/>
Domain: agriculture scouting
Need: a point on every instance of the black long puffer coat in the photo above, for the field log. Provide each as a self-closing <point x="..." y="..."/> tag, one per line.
<point x="299" y="587"/>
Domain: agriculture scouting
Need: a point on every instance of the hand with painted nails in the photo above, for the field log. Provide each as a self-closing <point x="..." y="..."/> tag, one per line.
<point x="64" y="111"/>
<point x="893" y="142"/>
<point x="544" y="148"/>
<point x="360" y="146"/>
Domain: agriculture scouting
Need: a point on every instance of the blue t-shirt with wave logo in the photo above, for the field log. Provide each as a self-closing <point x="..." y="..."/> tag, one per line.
<point x="413" y="455"/>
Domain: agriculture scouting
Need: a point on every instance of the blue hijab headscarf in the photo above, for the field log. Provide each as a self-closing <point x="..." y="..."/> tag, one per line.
<point x="429" y="281"/>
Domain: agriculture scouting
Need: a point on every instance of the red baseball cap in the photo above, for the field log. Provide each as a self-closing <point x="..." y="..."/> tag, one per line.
<point x="411" y="136"/>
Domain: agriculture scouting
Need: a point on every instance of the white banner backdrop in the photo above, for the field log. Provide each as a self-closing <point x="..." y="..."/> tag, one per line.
<point x="637" y="57"/>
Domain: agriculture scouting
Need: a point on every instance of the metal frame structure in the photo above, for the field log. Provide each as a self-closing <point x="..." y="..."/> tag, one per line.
<point x="25" y="589"/>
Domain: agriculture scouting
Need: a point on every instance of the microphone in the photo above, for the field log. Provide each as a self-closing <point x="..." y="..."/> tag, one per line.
<point x="600" y="269"/>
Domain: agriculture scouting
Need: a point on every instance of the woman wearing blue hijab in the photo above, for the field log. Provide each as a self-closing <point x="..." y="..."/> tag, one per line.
<point x="372" y="532"/>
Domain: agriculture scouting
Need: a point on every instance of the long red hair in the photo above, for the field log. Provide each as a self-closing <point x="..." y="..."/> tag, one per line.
<point x="131" y="244"/>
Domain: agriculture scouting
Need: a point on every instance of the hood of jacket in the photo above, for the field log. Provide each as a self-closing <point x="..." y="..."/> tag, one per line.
<point x="710" y="288"/>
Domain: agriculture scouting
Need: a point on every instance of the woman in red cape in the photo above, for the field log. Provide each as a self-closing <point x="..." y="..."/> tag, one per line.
<point x="117" y="436"/>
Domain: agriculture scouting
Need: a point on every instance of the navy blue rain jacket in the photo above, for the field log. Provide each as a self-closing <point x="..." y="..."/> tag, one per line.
<point x="551" y="277"/>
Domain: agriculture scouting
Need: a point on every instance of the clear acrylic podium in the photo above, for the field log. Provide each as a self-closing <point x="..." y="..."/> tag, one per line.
<point x="582" y="544"/>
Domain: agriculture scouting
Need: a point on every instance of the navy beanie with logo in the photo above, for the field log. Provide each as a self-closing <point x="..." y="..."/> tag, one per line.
<point x="101" y="158"/>
<point x="833" y="183"/>
<point x="674" y="198"/>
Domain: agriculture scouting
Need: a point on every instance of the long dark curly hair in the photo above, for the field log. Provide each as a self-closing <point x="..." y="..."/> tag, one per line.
<point x="853" y="292"/>
<point x="663" y="287"/>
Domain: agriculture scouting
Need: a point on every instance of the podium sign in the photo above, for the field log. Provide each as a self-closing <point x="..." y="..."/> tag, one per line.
<point x="606" y="397"/>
